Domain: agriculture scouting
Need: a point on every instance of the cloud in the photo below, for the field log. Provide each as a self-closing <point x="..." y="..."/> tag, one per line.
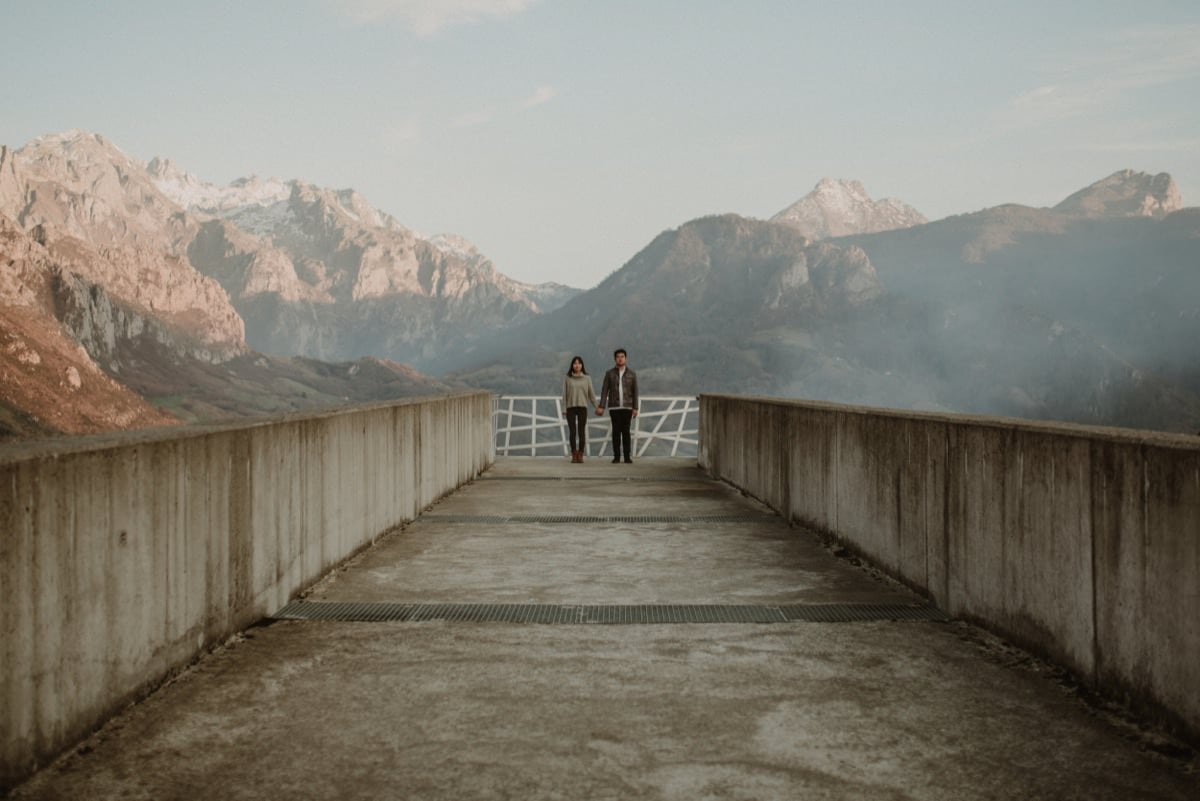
<point x="1180" y="145"/>
<point x="405" y="132"/>
<point x="1108" y="69"/>
<point x="399" y="136"/>
<point x="473" y="118"/>
<point x="543" y="94"/>
<point x="470" y="119"/>
<point x="427" y="17"/>
<point x="1059" y="101"/>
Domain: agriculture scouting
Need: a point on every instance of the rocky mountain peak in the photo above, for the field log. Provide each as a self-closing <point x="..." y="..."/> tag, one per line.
<point x="75" y="140"/>
<point x="159" y="167"/>
<point x="1125" y="193"/>
<point x="837" y="207"/>
<point x="455" y="245"/>
<point x="841" y="187"/>
<point x="727" y="262"/>
<point x="166" y="170"/>
<point x="356" y="206"/>
<point x="79" y="185"/>
<point x="78" y="161"/>
<point x="75" y="148"/>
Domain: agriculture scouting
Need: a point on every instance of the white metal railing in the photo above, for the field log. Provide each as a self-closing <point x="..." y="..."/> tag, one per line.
<point x="532" y="425"/>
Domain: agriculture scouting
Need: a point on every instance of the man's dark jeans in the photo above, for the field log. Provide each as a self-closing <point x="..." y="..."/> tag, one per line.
<point x="620" y="432"/>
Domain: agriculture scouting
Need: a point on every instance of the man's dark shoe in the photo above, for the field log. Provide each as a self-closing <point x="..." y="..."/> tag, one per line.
<point x="616" y="460"/>
<point x="628" y="460"/>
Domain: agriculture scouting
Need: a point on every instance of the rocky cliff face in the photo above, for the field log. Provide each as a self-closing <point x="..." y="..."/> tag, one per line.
<point x="26" y="267"/>
<point x="74" y="359"/>
<point x="99" y="216"/>
<point x="838" y="208"/>
<point x="48" y="384"/>
<point x="48" y="381"/>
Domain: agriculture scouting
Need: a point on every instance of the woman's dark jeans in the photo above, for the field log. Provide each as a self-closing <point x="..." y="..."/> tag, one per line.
<point x="577" y="427"/>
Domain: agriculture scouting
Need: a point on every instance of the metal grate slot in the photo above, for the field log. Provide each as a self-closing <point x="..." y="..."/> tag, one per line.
<point x="599" y="519"/>
<point x="602" y="614"/>
<point x="606" y="479"/>
<point x="849" y="613"/>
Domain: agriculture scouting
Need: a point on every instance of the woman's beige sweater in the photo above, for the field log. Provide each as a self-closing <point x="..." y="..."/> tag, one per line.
<point x="577" y="391"/>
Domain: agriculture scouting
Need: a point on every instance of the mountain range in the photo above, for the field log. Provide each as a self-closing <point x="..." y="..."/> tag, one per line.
<point x="151" y="277"/>
<point x="1085" y="312"/>
<point x="136" y="294"/>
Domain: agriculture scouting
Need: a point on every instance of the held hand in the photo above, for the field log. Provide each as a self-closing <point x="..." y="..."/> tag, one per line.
<point x="599" y="410"/>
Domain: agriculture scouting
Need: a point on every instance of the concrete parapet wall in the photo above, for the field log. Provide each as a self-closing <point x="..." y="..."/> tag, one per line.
<point x="123" y="557"/>
<point x="1080" y="543"/>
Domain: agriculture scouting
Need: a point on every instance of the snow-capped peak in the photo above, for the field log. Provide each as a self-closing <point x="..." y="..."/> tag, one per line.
<point x="192" y="193"/>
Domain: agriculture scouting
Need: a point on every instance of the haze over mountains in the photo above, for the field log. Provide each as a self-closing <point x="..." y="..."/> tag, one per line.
<point x="1087" y="312"/>
<point x="135" y="294"/>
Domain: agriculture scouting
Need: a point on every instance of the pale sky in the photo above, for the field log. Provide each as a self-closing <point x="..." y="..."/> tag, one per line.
<point x="561" y="136"/>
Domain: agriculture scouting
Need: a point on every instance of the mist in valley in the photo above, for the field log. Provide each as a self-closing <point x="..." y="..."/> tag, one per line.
<point x="1044" y="314"/>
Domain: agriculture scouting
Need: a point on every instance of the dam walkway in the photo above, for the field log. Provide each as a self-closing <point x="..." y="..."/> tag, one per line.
<point x="603" y="631"/>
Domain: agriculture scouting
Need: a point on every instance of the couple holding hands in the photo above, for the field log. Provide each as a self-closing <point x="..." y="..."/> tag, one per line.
<point x="618" y="394"/>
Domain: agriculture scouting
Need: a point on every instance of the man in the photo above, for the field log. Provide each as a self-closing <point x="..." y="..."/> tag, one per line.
<point x="619" y="394"/>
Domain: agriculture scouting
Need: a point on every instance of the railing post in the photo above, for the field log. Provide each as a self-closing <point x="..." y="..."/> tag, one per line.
<point x="562" y="424"/>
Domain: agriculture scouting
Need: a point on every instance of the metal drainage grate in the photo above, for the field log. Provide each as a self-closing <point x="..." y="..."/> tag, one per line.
<point x="851" y="613"/>
<point x="603" y="613"/>
<point x="697" y="478"/>
<point x="743" y="518"/>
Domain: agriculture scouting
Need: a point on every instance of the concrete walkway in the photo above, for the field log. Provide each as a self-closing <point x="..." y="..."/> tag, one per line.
<point x="883" y="709"/>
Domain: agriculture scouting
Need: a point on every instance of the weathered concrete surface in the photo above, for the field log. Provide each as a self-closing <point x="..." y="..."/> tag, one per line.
<point x="464" y="711"/>
<point x="886" y="710"/>
<point x="124" y="556"/>
<point x="1082" y="543"/>
<point x="755" y="562"/>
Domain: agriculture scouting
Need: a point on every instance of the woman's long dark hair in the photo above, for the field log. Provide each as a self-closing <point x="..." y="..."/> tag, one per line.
<point x="582" y="369"/>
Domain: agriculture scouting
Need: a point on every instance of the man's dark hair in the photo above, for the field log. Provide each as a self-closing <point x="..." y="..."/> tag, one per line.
<point x="620" y="350"/>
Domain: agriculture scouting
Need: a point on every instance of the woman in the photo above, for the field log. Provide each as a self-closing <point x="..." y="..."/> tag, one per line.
<point x="578" y="397"/>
